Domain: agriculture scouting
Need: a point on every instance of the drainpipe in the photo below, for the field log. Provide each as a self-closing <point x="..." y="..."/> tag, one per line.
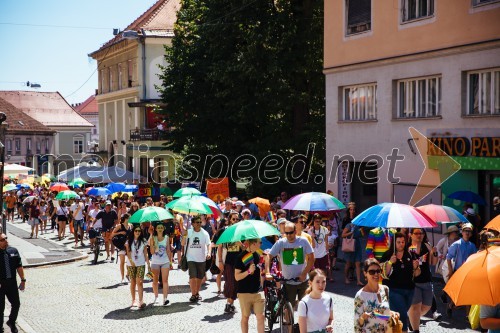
<point x="143" y="43"/>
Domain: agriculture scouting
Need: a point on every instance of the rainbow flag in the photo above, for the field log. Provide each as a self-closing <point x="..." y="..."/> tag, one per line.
<point x="271" y="216"/>
<point x="247" y="258"/>
<point x="259" y="252"/>
<point x="381" y="316"/>
<point x="413" y="248"/>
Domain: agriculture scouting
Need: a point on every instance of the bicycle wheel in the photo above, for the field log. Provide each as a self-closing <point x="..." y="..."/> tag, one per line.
<point x="286" y="318"/>
<point x="97" y="248"/>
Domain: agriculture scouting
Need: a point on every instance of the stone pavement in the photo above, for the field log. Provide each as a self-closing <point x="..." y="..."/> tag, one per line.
<point x="80" y="297"/>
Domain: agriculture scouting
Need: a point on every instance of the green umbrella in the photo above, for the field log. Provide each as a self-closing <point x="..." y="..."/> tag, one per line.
<point x="186" y="191"/>
<point x="77" y="182"/>
<point x="66" y="195"/>
<point x="247" y="229"/>
<point x="185" y="205"/>
<point x="150" y="214"/>
<point x="9" y="187"/>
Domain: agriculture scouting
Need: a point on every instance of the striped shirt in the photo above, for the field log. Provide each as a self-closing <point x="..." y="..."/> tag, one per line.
<point x="378" y="242"/>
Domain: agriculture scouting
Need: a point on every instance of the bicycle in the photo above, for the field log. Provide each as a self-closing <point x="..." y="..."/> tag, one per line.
<point x="277" y="306"/>
<point x="98" y="245"/>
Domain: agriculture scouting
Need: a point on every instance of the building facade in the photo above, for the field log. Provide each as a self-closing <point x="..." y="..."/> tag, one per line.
<point x="128" y="67"/>
<point x="71" y="130"/>
<point x="88" y="110"/>
<point x="431" y="65"/>
<point x="25" y="139"/>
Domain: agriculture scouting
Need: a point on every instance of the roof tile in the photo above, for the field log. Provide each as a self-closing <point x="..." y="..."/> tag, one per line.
<point x="18" y="121"/>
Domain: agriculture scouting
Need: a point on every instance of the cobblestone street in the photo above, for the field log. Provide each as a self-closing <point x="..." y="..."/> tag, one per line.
<point x="79" y="297"/>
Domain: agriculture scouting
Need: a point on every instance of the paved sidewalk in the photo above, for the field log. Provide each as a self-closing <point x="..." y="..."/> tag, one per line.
<point x="45" y="249"/>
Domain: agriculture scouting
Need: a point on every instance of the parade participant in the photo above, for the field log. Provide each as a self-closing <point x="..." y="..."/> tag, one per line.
<point x="315" y="310"/>
<point x="10" y="263"/>
<point x="10" y="201"/>
<point x="34" y="217"/>
<point x="159" y="245"/>
<point x="247" y="275"/>
<point x="51" y="214"/>
<point x="458" y="253"/>
<point x="296" y="258"/>
<point x="443" y="246"/>
<point x="198" y="250"/>
<point x="62" y="218"/>
<point x="137" y="255"/>
<point x="320" y="235"/>
<point x="176" y="238"/>
<point x="399" y="271"/>
<point x="109" y="219"/>
<point x="371" y="303"/>
<point x="489" y="318"/>
<point x="332" y="252"/>
<point x="43" y="216"/>
<point x="300" y="223"/>
<point x="333" y="240"/>
<point x="379" y="241"/>
<point x="233" y="250"/>
<point x="353" y="231"/>
<point x="76" y="210"/>
<point x="218" y="259"/>
<point x="122" y="229"/>
<point x="423" y="294"/>
<point x="95" y="224"/>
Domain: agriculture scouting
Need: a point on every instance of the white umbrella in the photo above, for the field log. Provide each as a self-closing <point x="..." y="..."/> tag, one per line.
<point x="29" y="199"/>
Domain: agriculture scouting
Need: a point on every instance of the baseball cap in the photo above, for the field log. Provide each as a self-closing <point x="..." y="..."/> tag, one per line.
<point x="281" y="220"/>
<point x="471" y="211"/>
<point x="239" y="203"/>
<point x="108" y="202"/>
<point x="467" y="226"/>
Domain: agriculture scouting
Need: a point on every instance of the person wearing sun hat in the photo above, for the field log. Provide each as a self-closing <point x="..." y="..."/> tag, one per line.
<point x="459" y="251"/>
<point x="443" y="245"/>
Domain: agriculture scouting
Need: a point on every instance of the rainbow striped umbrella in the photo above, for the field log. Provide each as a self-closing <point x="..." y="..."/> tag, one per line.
<point x="393" y="215"/>
<point x="442" y="214"/>
<point x="313" y="201"/>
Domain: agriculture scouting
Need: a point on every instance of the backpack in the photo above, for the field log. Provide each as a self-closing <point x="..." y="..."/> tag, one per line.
<point x="119" y="241"/>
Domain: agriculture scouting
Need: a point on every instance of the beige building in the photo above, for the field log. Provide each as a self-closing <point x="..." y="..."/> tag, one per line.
<point x="128" y="67"/>
<point x="67" y="147"/>
<point x="430" y="64"/>
<point x="88" y="110"/>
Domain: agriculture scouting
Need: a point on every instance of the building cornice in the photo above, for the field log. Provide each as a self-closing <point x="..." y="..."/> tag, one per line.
<point x="118" y="94"/>
<point x="473" y="47"/>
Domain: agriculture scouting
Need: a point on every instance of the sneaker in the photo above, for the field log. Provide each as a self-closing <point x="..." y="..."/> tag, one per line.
<point x="193" y="299"/>
<point x="156" y="302"/>
<point x="436" y="316"/>
<point x="233" y="308"/>
<point x="166" y="302"/>
<point x="227" y="309"/>
<point x="198" y="297"/>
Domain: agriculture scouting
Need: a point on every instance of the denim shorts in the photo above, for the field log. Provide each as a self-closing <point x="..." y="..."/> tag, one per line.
<point x="78" y="223"/>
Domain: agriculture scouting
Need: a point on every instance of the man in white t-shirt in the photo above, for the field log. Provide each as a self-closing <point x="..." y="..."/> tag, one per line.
<point x="78" y="221"/>
<point x="198" y="250"/>
<point x="94" y="224"/>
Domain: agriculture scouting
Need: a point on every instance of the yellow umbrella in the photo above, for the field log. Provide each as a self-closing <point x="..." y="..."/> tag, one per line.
<point x="114" y="195"/>
<point x="476" y="281"/>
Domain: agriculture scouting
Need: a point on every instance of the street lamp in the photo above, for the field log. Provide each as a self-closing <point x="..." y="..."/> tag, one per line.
<point x="3" y="129"/>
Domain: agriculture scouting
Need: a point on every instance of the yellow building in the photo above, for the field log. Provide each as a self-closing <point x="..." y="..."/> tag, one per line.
<point x="430" y="64"/>
<point x="130" y="133"/>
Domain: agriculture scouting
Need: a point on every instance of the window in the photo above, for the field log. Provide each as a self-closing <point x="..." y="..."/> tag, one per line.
<point x="17" y="144"/>
<point x="78" y="144"/>
<point x="28" y="145"/>
<point x="46" y="146"/>
<point x="419" y="98"/>
<point x="8" y="146"/>
<point x="415" y="9"/>
<point x="102" y="81"/>
<point x="360" y="102"/>
<point x="110" y="72"/>
<point x="483" y="92"/>
<point x="120" y="79"/>
<point x="482" y="2"/>
<point x="359" y="14"/>
<point x="38" y="146"/>
<point x="130" y="73"/>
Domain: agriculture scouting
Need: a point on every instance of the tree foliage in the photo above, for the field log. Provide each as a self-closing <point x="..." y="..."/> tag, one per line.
<point x="245" y="77"/>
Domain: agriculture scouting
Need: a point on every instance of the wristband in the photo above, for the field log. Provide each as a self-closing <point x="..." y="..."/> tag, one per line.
<point x="23" y="280"/>
<point x="248" y="271"/>
<point x="390" y="263"/>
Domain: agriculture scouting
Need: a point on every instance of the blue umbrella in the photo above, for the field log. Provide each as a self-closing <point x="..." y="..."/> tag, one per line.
<point x="20" y="186"/>
<point x="393" y="215"/>
<point x="467" y="196"/>
<point x="131" y="188"/>
<point x="115" y="187"/>
<point x="99" y="191"/>
<point x="313" y="201"/>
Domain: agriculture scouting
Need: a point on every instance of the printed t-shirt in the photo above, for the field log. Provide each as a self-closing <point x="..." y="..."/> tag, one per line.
<point x="198" y="241"/>
<point x="292" y="256"/>
<point x="160" y="256"/>
<point x="251" y="283"/>
<point x="320" y="237"/>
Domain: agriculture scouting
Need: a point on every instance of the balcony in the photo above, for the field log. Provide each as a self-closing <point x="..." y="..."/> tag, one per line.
<point x="148" y="135"/>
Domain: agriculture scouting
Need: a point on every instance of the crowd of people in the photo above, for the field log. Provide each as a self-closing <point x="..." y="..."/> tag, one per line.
<point x="396" y="279"/>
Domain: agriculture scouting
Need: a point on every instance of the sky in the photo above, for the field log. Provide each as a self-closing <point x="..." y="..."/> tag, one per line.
<point x="48" y="42"/>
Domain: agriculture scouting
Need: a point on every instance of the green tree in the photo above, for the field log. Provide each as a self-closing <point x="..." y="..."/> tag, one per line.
<point x="245" y="77"/>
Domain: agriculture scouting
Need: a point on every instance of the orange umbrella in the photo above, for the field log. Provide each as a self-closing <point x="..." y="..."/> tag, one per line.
<point x="476" y="281"/>
<point x="263" y="204"/>
<point x="494" y="224"/>
<point x="58" y="187"/>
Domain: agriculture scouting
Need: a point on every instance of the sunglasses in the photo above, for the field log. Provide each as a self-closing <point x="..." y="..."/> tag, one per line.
<point x="137" y="231"/>
<point x="234" y="219"/>
<point x="289" y="232"/>
<point x="418" y="233"/>
<point x="374" y="271"/>
<point x="196" y="222"/>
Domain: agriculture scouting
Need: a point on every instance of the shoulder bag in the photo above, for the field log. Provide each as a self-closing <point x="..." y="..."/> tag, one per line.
<point x="348" y="244"/>
<point x="184" y="261"/>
